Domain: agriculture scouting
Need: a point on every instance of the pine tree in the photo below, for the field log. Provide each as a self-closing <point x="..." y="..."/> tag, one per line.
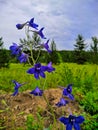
<point x="94" y="50"/>
<point x="54" y="54"/>
<point x="79" y="50"/>
<point x="4" y="55"/>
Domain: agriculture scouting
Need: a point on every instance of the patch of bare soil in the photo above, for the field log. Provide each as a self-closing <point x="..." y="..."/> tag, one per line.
<point x="14" y="109"/>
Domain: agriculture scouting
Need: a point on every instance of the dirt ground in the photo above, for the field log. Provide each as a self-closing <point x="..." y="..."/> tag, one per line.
<point x="14" y="109"/>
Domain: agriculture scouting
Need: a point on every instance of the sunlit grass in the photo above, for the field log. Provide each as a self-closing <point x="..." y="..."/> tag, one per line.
<point x="82" y="76"/>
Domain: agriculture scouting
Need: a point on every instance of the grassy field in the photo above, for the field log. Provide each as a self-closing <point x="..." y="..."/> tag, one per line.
<point x="83" y="77"/>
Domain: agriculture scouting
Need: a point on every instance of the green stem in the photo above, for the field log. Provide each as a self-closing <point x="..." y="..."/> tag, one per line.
<point x="32" y="54"/>
<point x="29" y="62"/>
<point x="38" y="55"/>
<point x="28" y="39"/>
<point x="51" y="109"/>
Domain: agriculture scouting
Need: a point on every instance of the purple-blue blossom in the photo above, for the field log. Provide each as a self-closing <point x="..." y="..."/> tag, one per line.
<point x="16" y="87"/>
<point x="37" y="92"/>
<point x="37" y="70"/>
<point x="67" y="91"/>
<point x="23" y="57"/>
<point x="15" y="49"/>
<point x="20" y="26"/>
<point x="32" y="24"/>
<point x="40" y="33"/>
<point x="62" y="102"/>
<point x="72" y="121"/>
<point x="49" y="67"/>
<point x="46" y="46"/>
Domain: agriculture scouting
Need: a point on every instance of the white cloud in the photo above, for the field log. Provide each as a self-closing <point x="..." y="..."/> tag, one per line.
<point x="63" y="20"/>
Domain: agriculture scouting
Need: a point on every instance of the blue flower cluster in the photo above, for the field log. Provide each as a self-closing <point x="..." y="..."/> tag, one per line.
<point x="17" y="51"/>
<point x="38" y="70"/>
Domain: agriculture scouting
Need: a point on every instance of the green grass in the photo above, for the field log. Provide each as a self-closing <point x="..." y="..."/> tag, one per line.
<point x="82" y="76"/>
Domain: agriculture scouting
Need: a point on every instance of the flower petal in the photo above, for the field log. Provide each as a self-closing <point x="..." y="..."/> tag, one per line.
<point x="64" y="120"/>
<point x="32" y="24"/>
<point x="36" y="75"/>
<point x="15" y="93"/>
<point x="41" y="33"/>
<point x="69" y="126"/>
<point x="69" y="88"/>
<point x="79" y="119"/>
<point x="70" y="96"/>
<point x="31" y="71"/>
<point x="42" y="74"/>
<point x="43" y="68"/>
<point x="65" y="93"/>
<point x="76" y="126"/>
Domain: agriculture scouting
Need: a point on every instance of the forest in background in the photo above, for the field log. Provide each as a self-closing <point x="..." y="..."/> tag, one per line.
<point x="80" y="54"/>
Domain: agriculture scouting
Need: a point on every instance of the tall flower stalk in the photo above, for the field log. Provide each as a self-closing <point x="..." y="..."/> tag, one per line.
<point x="39" y="71"/>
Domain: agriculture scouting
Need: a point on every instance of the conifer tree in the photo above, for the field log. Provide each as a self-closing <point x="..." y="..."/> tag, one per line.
<point x="79" y="50"/>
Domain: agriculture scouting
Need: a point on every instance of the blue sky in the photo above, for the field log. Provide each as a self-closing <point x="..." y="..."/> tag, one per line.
<point x="63" y="20"/>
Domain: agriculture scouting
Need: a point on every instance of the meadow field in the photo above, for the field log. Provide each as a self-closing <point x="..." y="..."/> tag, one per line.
<point x="83" y="77"/>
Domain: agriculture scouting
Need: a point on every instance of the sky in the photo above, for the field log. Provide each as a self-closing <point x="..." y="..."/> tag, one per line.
<point x="63" y="20"/>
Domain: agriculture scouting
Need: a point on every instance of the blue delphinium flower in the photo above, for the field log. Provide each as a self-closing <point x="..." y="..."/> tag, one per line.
<point x="37" y="92"/>
<point x="23" y="57"/>
<point x="46" y="46"/>
<point x="20" y="26"/>
<point x="49" y="67"/>
<point x="15" y="49"/>
<point x="32" y="24"/>
<point x="67" y="91"/>
<point x="37" y="70"/>
<point x="72" y="121"/>
<point x="16" y="87"/>
<point x="62" y="102"/>
<point x="40" y="33"/>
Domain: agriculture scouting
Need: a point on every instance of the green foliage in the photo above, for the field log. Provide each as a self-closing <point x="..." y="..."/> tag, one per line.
<point x="4" y="55"/>
<point x="90" y="102"/>
<point x="1" y="42"/>
<point x="33" y="124"/>
<point x="4" y="58"/>
<point x="94" y="50"/>
<point x="31" y="46"/>
<point x="31" y="42"/>
<point x="91" y="122"/>
<point x="82" y="76"/>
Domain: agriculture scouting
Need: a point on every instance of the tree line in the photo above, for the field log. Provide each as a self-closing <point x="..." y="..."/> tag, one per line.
<point x="79" y="55"/>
